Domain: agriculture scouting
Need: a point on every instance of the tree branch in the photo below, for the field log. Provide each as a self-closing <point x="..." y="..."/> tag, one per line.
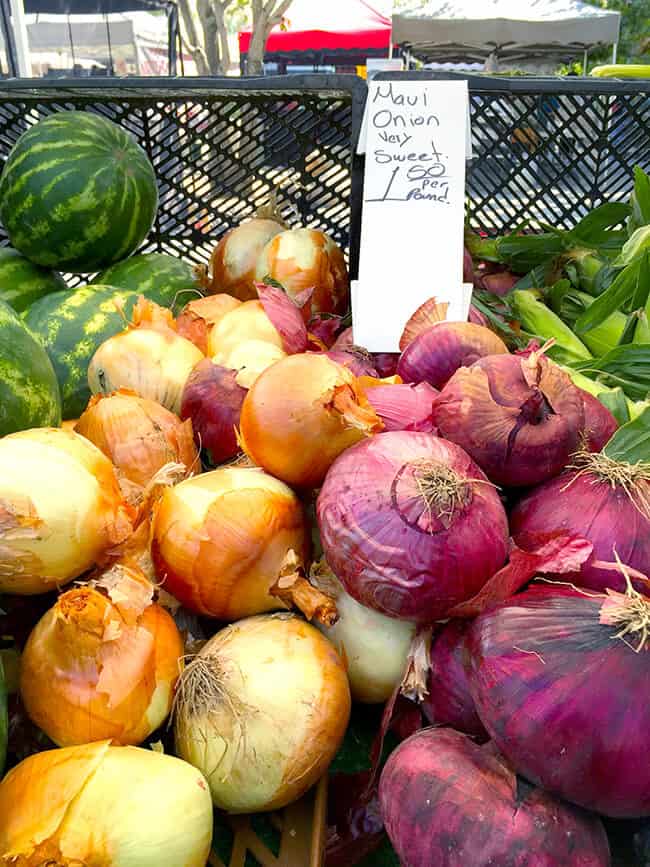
<point x="191" y="39"/>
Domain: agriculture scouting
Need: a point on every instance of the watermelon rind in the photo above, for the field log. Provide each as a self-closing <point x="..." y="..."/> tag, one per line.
<point x="29" y="392"/>
<point x="77" y="193"/>
<point x="71" y="326"/>
<point x="22" y="282"/>
<point x="162" y="278"/>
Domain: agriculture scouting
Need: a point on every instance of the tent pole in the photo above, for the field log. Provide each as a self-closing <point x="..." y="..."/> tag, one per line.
<point x="585" y="61"/>
<point x="20" y="36"/>
<point x="8" y="36"/>
<point x="614" y="51"/>
<point x="172" y="36"/>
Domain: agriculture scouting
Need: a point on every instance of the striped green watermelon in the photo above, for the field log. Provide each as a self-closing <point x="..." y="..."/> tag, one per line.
<point x="77" y="193"/>
<point x="164" y="279"/>
<point x="29" y="393"/>
<point x="71" y="325"/>
<point x="22" y="282"/>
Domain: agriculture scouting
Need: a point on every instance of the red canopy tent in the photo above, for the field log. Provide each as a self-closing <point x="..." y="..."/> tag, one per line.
<point x="329" y="32"/>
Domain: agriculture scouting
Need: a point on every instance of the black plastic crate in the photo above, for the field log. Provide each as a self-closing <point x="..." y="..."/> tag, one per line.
<point x="219" y="146"/>
<point x="548" y="150"/>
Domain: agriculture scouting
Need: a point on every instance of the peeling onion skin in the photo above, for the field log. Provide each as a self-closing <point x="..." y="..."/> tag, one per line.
<point x="518" y="435"/>
<point x="219" y="540"/>
<point x="66" y="655"/>
<point x="387" y="548"/>
<point x="104" y="805"/>
<point x="291" y="697"/>
<point x="436" y="354"/>
<point x="234" y="259"/>
<point x="448" y="802"/>
<point x="563" y="699"/>
<point x="449" y="701"/>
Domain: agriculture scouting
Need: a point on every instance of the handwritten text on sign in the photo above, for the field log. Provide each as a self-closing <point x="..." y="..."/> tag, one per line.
<point x="413" y="206"/>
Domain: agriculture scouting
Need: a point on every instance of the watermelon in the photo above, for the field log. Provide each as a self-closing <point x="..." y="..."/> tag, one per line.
<point x="77" y="193"/>
<point x="168" y="281"/>
<point x="29" y="393"/>
<point x="71" y="325"/>
<point x="22" y="282"/>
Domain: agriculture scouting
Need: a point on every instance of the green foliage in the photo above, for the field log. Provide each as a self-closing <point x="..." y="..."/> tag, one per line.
<point x="634" y="42"/>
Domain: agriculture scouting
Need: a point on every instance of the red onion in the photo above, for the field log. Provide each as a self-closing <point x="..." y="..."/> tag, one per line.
<point x="520" y="418"/>
<point x="323" y="327"/>
<point x="404" y="406"/>
<point x="448" y="701"/>
<point x="285" y="315"/>
<point x="410" y="525"/>
<point x="213" y="399"/>
<point x="560" y="680"/>
<point x="385" y="363"/>
<point x="468" y="266"/>
<point x="448" y="802"/>
<point x="499" y="283"/>
<point x="600" y="424"/>
<point x="356" y="359"/>
<point x="605" y="501"/>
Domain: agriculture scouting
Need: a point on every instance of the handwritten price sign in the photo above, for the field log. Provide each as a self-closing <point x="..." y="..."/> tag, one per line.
<point x="413" y="207"/>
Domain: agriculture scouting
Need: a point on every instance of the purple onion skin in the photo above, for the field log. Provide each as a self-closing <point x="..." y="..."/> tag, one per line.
<point x="600" y="424"/>
<point x="355" y="362"/>
<point x="437" y="353"/>
<point x="448" y="802"/>
<point x="389" y="550"/>
<point x="564" y="700"/>
<point x="449" y="701"/>
<point x="213" y="399"/>
<point x="385" y="363"/>
<point x="404" y="406"/>
<point x="589" y="507"/>
<point x="517" y="434"/>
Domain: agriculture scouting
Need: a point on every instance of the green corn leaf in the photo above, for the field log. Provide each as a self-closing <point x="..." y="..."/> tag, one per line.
<point x="537" y="319"/>
<point x="634" y="247"/>
<point x="639" y="201"/>
<point x="630" y="329"/>
<point x="615" y="401"/>
<point x="594" y="229"/>
<point x="615" y="297"/>
<point x="627" y="366"/>
<point x="525" y="252"/>
<point x="631" y="442"/>
<point x="642" y="289"/>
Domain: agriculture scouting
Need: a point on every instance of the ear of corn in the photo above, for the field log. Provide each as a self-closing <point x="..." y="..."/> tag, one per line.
<point x="536" y="318"/>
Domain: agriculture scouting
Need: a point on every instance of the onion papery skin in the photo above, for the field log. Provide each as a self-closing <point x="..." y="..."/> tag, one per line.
<point x="300" y="259"/>
<point x="448" y="802"/>
<point x="600" y="424"/>
<point x="212" y="399"/>
<point x="138" y="435"/>
<point x="388" y="547"/>
<point x="105" y="805"/>
<point x="93" y="670"/>
<point x="198" y="317"/>
<point x="154" y="364"/>
<point x="357" y="362"/>
<point x="248" y="321"/>
<point x="290" y="423"/>
<point x="374" y="647"/>
<point x="564" y="699"/>
<point x="61" y="509"/>
<point x="404" y="406"/>
<point x="519" y="435"/>
<point x="234" y="259"/>
<point x="434" y="355"/>
<point x="385" y="363"/>
<point x="448" y="700"/>
<point x="583" y="503"/>
<point x="219" y="540"/>
<point x="280" y="710"/>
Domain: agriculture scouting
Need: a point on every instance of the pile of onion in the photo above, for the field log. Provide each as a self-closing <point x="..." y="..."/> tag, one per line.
<point x="433" y="348"/>
<point x="520" y="418"/>
<point x="300" y="414"/>
<point x="559" y="677"/>
<point x="233" y="262"/>
<point x="102" y="804"/>
<point x="220" y="539"/>
<point x="261" y="711"/>
<point x="401" y="406"/>
<point x="375" y="647"/>
<point x="384" y="363"/>
<point x="198" y="317"/>
<point x="61" y="509"/>
<point x="139" y="435"/>
<point x="448" y="802"/>
<point x="602" y="499"/>
<point x="102" y="663"/>
<point x="149" y="357"/>
<point x="410" y="525"/>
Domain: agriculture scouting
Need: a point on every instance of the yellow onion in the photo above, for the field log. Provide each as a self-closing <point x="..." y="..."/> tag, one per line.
<point x="249" y="358"/>
<point x="248" y="321"/>
<point x="199" y="316"/>
<point x="219" y="540"/>
<point x="139" y="435"/>
<point x="102" y="662"/>
<point x="104" y="805"/>
<point x="234" y="259"/>
<point x="150" y="358"/>
<point x="375" y="648"/>
<point x="61" y="509"/>
<point x="261" y="711"/>
<point x="300" y="414"/>
<point x="301" y="259"/>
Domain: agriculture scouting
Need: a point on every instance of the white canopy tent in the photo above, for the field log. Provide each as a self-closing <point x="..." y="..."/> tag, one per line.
<point x="510" y="30"/>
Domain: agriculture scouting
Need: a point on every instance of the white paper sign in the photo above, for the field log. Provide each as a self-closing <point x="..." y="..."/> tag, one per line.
<point x="413" y="207"/>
